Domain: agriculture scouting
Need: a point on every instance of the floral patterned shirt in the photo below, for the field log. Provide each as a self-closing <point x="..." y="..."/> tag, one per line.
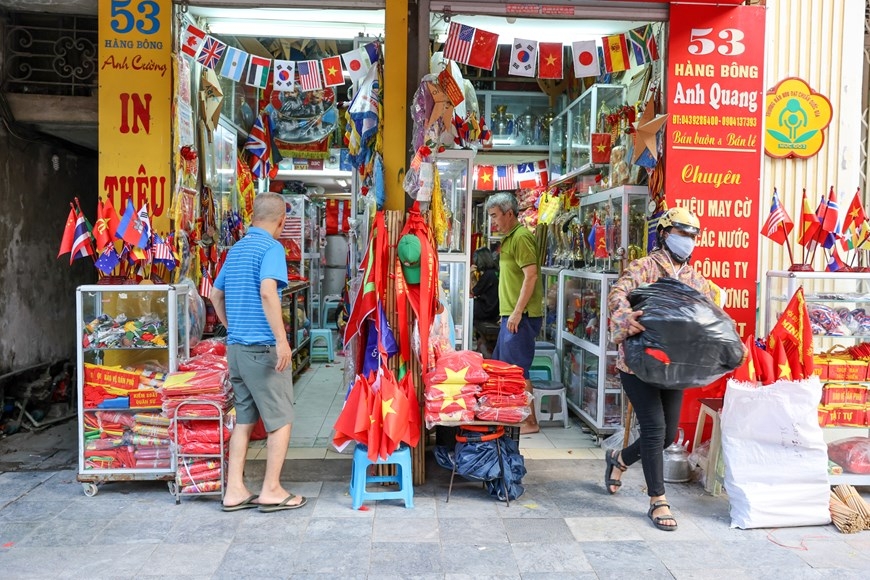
<point x="640" y="272"/>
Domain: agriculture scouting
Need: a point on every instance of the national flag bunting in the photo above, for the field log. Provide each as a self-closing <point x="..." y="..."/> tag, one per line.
<point x="643" y="45"/>
<point x="284" y="78"/>
<point x="234" y="64"/>
<point x="357" y="62"/>
<point x="585" y="59"/>
<point x="192" y="40"/>
<point x="459" y="39"/>
<point x="505" y="177"/>
<point x="550" y="60"/>
<point x="211" y="53"/>
<point x="778" y="225"/>
<point x="484" y="180"/>
<point x="332" y="73"/>
<point x="483" y="50"/>
<point x="258" y="72"/>
<point x="524" y="57"/>
<point x="309" y="75"/>
<point x="615" y="53"/>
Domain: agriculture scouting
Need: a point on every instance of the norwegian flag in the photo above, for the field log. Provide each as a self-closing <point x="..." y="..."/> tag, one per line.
<point x="459" y="38"/>
<point x="504" y="177"/>
<point x="211" y="53"/>
<point x="193" y="38"/>
<point x="309" y="75"/>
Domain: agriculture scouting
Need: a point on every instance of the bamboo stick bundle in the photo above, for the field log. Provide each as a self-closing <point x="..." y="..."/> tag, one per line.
<point x="849" y="496"/>
<point x="847" y="520"/>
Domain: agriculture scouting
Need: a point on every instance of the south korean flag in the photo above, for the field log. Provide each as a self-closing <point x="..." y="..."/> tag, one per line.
<point x="524" y="58"/>
<point x="284" y="77"/>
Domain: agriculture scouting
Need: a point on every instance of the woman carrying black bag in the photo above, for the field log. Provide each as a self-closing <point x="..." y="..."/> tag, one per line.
<point x="657" y="409"/>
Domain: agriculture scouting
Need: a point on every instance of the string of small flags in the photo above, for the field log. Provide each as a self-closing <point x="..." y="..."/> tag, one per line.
<point x="618" y="52"/>
<point x="510" y="177"/>
<point x="311" y="75"/>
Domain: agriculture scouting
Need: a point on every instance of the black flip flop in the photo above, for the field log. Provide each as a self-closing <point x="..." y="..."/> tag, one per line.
<point x="284" y="505"/>
<point x="610" y="459"/>
<point x="243" y="505"/>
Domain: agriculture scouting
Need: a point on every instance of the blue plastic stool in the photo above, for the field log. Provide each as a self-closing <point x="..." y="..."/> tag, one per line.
<point x="360" y="477"/>
<point x="321" y="345"/>
<point x="547" y="356"/>
<point x="328" y="313"/>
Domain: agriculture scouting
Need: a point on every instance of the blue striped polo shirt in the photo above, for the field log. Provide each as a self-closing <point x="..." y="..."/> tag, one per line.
<point x="254" y="258"/>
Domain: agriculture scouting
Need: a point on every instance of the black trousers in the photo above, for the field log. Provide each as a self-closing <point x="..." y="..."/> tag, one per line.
<point x="658" y="416"/>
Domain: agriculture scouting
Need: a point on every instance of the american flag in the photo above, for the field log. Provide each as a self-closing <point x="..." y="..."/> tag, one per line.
<point x="504" y="177"/>
<point x="458" y="47"/>
<point x="778" y="225"/>
<point x="309" y="75"/>
<point x="211" y="53"/>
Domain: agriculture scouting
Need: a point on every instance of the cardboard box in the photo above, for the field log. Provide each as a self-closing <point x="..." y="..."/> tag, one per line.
<point x="844" y="394"/>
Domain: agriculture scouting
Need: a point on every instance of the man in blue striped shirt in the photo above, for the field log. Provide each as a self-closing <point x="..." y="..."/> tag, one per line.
<point x="247" y="300"/>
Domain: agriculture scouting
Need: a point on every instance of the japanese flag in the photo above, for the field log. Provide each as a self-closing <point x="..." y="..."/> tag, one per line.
<point x="585" y="59"/>
<point x="524" y="57"/>
<point x="357" y="63"/>
<point x="285" y="72"/>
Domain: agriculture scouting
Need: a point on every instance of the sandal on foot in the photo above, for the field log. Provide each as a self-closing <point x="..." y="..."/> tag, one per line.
<point x="657" y="520"/>
<point x="612" y="461"/>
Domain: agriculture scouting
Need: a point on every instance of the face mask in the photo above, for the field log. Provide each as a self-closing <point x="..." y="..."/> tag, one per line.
<point x="680" y="246"/>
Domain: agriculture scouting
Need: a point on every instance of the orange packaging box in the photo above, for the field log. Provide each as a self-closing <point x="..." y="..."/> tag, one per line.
<point x="824" y="415"/>
<point x="844" y="394"/>
<point x="856" y="370"/>
<point x="847" y="416"/>
<point x="820" y="367"/>
<point x="837" y="369"/>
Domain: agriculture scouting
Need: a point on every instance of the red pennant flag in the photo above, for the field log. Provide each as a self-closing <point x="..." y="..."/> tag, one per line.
<point x="483" y="49"/>
<point x="345" y="424"/>
<point x="332" y="73"/>
<point x="781" y="365"/>
<point x="794" y="331"/>
<point x="485" y="180"/>
<point x="69" y="229"/>
<point x="550" y="60"/>
<point x="764" y="366"/>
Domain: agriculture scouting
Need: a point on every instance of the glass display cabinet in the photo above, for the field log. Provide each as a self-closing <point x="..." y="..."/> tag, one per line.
<point x="621" y="213"/>
<point x="836" y="302"/>
<point x="295" y="312"/>
<point x="518" y="119"/>
<point x="589" y="373"/>
<point x="454" y="252"/>
<point x="570" y="151"/>
<point x="550" y="280"/>
<point x="128" y="335"/>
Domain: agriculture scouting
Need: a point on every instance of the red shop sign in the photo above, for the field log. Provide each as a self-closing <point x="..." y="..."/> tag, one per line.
<point x="714" y="150"/>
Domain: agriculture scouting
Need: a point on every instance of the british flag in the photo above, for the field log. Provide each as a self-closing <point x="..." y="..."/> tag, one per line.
<point x="504" y="177"/>
<point x="211" y="53"/>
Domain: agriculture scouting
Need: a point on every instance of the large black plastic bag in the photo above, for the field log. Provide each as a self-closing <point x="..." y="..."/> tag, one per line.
<point x="688" y="341"/>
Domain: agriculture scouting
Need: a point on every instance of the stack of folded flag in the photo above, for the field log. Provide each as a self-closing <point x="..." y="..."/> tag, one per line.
<point x="503" y="396"/>
<point x="452" y="388"/>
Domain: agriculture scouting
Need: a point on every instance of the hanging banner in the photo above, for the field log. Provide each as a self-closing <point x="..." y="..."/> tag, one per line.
<point x="715" y="91"/>
<point x="135" y="72"/>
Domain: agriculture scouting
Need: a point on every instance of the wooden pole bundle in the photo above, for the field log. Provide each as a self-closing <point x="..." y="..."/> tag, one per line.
<point x="845" y="518"/>
<point x="850" y="497"/>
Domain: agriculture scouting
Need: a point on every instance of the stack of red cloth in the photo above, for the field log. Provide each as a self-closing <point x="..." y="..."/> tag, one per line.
<point x="452" y="388"/>
<point x="503" y="396"/>
<point x="199" y="475"/>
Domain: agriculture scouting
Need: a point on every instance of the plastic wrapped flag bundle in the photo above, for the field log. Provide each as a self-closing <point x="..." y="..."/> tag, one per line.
<point x="688" y="341"/>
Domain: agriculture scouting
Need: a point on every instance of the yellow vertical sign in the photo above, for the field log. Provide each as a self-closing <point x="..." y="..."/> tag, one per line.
<point x="135" y="60"/>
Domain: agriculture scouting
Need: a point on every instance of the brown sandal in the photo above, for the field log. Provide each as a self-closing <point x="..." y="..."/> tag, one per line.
<point x="612" y="462"/>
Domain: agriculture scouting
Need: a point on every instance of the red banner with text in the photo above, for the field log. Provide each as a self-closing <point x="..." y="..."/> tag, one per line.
<point x="715" y="88"/>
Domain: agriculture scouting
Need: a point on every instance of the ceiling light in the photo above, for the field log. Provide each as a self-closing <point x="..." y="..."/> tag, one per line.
<point x="278" y="29"/>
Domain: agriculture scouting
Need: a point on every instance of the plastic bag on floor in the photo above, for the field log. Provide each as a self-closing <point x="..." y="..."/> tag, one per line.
<point x="514" y="470"/>
<point x="776" y="460"/>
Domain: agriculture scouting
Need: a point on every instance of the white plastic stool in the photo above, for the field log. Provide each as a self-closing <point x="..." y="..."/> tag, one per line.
<point x="548" y="390"/>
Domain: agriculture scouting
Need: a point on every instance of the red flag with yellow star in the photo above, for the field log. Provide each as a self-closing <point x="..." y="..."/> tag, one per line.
<point x="781" y="367"/>
<point x="484" y="180"/>
<point x="332" y="73"/>
<point x="794" y="331"/>
<point x="483" y="49"/>
<point x="746" y="372"/>
<point x="550" y="60"/>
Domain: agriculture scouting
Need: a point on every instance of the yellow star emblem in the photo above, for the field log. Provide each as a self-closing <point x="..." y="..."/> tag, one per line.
<point x="784" y="370"/>
<point x="387" y="407"/>
<point x="459" y="401"/>
<point x="456" y="377"/>
<point x="601" y="148"/>
<point x="551" y="60"/>
<point x="331" y="71"/>
<point x="485" y="178"/>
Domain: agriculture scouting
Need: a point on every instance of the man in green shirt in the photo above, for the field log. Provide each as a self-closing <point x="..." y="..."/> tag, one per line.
<point x="520" y="292"/>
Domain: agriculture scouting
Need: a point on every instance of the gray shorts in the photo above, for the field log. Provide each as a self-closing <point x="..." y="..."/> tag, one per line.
<point x="260" y="390"/>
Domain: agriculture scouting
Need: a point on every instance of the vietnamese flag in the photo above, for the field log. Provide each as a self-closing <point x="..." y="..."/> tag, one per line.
<point x="746" y="372"/>
<point x="111" y="216"/>
<point x="483" y="49"/>
<point x="794" y="331"/>
<point x="550" y="60"/>
<point x="781" y="365"/>
<point x="484" y="180"/>
<point x="394" y="413"/>
<point x="376" y="421"/>
<point x="345" y="424"/>
<point x="332" y="73"/>
<point x="764" y="365"/>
